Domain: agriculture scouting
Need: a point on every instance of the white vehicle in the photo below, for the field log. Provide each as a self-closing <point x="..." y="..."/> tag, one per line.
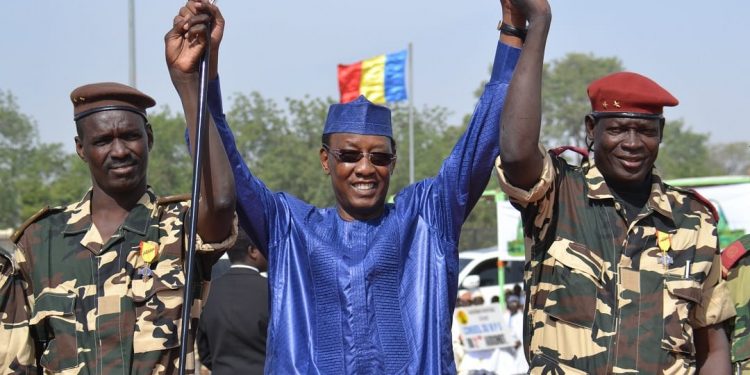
<point x="479" y="271"/>
<point x="479" y="268"/>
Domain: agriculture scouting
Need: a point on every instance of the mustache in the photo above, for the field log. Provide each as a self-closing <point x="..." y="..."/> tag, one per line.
<point x="112" y="164"/>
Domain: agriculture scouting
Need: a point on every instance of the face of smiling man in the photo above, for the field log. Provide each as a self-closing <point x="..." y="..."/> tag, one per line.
<point x="625" y="149"/>
<point x="361" y="186"/>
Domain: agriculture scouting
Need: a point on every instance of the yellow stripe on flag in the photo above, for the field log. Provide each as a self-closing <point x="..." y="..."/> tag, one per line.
<point x="372" y="84"/>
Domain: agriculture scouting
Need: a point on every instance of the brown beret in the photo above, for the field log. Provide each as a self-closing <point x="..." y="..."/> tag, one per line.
<point x="628" y="94"/>
<point x="105" y="96"/>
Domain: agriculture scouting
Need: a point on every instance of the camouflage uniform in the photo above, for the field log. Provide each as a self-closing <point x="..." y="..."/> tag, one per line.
<point x="601" y="296"/>
<point x="86" y="306"/>
<point x="738" y="279"/>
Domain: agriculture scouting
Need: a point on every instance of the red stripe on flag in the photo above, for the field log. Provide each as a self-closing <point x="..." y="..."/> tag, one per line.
<point x="350" y="77"/>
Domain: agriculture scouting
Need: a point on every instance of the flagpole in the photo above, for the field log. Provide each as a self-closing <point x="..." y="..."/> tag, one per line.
<point x="411" y="117"/>
<point x="131" y="43"/>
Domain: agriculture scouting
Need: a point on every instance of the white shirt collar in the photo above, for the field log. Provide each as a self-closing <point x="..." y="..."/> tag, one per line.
<point x="245" y="266"/>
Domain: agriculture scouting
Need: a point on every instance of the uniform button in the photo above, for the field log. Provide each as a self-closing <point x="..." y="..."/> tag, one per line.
<point x="618" y="207"/>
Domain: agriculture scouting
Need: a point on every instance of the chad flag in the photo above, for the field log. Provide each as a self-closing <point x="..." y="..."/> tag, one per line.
<point x="380" y="79"/>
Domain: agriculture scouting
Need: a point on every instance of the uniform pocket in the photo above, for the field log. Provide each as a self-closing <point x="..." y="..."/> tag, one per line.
<point x="158" y="304"/>
<point x="574" y="284"/>
<point x="56" y="313"/>
<point x="680" y="296"/>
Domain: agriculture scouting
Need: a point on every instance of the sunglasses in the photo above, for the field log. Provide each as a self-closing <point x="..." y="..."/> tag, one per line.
<point x="380" y="159"/>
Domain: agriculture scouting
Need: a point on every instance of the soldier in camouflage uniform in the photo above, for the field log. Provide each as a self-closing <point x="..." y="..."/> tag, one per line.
<point x="96" y="287"/>
<point x="735" y="262"/>
<point x="622" y="270"/>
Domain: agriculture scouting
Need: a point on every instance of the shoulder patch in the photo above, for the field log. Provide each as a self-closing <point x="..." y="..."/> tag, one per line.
<point x="161" y="201"/>
<point x="732" y="253"/>
<point x="706" y="202"/>
<point x="47" y="210"/>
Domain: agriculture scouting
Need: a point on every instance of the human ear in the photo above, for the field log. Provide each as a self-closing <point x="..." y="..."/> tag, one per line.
<point x="150" y="135"/>
<point x="661" y="130"/>
<point x="324" y="161"/>
<point x="79" y="148"/>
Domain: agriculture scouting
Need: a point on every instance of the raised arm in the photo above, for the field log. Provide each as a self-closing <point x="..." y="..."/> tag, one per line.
<point x="447" y="199"/>
<point x="522" y="116"/>
<point x="184" y="45"/>
<point x="257" y="206"/>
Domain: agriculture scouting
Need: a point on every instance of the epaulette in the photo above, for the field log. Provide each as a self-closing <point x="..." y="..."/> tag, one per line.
<point x="33" y="219"/>
<point x="161" y="201"/>
<point x="732" y="253"/>
<point x="579" y="150"/>
<point x="706" y="202"/>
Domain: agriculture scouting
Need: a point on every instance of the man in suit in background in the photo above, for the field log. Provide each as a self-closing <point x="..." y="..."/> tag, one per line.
<point x="234" y="323"/>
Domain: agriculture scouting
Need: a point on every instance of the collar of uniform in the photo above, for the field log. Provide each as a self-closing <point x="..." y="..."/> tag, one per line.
<point x="136" y="221"/>
<point x="80" y="216"/>
<point x="598" y="189"/>
<point x="80" y="221"/>
<point x="658" y="199"/>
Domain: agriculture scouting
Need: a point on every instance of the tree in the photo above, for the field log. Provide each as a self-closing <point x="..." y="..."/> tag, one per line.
<point x="684" y="153"/>
<point x="433" y="140"/>
<point x="733" y="157"/>
<point x="27" y="166"/>
<point x="170" y="168"/>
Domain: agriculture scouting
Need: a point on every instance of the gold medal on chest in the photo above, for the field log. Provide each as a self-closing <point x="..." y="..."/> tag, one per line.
<point x="664" y="241"/>
<point x="149" y="251"/>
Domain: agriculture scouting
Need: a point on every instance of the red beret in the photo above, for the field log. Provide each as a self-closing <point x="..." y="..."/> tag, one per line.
<point x="629" y="93"/>
<point x="97" y="97"/>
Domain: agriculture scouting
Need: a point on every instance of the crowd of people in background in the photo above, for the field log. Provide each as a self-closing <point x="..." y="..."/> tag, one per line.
<point x="508" y="357"/>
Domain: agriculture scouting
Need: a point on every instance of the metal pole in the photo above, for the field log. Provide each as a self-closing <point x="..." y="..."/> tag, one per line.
<point x="131" y="42"/>
<point x="411" y="117"/>
<point x="195" y="196"/>
<point x="499" y="198"/>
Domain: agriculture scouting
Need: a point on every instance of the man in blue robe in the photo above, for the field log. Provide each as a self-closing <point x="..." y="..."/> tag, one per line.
<point x="367" y="287"/>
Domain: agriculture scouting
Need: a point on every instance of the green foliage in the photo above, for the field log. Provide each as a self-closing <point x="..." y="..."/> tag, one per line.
<point x="684" y="153"/>
<point x="733" y="157"/>
<point x="170" y="168"/>
<point x="434" y="139"/>
<point x="71" y="184"/>
<point x="27" y="167"/>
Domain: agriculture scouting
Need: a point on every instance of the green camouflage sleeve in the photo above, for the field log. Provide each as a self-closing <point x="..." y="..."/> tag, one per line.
<point x="17" y="352"/>
<point x="737" y="281"/>
<point x="539" y="195"/>
<point x="716" y="303"/>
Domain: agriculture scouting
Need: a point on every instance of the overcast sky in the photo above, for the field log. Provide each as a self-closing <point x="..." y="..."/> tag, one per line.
<point x="697" y="50"/>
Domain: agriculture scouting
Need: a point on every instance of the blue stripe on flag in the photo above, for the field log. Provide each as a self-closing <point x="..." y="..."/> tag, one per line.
<point x="395" y="73"/>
